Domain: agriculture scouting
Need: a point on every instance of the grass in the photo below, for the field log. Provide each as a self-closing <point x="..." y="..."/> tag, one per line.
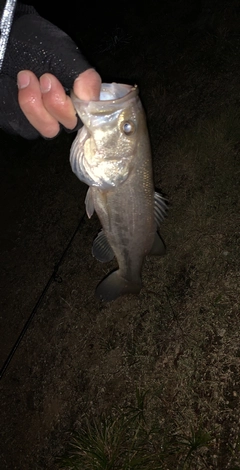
<point x="125" y="440"/>
<point x="181" y="337"/>
<point x="183" y="344"/>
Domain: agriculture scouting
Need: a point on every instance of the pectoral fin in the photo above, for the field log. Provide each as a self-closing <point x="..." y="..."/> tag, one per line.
<point x="89" y="203"/>
<point x="159" y="247"/>
<point x="160" y="208"/>
<point x="101" y="248"/>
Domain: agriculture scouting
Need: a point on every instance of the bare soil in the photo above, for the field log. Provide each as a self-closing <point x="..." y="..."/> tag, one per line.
<point x="180" y="338"/>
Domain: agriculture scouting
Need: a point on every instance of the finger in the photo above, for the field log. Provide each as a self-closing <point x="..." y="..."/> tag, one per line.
<point x="56" y="102"/>
<point x="30" y="101"/>
<point x="87" y="85"/>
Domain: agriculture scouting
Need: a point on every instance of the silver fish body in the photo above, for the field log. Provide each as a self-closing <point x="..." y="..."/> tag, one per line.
<point x="112" y="154"/>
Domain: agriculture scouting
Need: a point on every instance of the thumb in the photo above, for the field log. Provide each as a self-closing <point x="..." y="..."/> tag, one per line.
<point x="87" y="86"/>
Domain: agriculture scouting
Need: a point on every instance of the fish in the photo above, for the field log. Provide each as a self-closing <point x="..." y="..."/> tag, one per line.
<point x="112" y="155"/>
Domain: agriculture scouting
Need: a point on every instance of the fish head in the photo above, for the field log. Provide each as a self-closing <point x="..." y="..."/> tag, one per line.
<point x="103" y="152"/>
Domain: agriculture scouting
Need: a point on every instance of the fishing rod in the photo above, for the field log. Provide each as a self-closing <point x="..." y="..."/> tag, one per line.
<point x="54" y="277"/>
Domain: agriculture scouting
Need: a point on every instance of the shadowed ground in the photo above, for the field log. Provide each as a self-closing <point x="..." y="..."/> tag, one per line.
<point x="179" y="339"/>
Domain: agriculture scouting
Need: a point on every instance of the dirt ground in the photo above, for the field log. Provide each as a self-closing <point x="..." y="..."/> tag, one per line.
<point x="179" y="340"/>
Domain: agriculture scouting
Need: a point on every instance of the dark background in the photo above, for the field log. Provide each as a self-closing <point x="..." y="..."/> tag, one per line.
<point x="184" y="55"/>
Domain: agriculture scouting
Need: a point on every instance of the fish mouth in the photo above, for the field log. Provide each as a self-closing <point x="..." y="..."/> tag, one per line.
<point x="111" y="95"/>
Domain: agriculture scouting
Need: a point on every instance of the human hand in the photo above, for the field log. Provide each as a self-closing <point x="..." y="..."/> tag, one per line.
<point x="45" y="103"/>
<point x="50" y="64"/>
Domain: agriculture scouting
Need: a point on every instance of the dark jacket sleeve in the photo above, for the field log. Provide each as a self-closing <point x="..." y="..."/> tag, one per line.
<point x="34" y="44"/>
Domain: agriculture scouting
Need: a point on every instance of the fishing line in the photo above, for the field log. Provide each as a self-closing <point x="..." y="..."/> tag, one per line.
<point x="54" y="277"/>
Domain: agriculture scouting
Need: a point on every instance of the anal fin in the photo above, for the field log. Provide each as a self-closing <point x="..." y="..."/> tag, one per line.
<point x="101" y="248"/>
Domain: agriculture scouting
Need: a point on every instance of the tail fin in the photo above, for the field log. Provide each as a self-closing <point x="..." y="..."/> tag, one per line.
<point x="114" y="285"/>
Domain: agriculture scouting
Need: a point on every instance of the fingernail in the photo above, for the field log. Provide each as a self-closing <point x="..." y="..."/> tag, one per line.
<point x="23" y="80"/>
<point x="45" y="84"/>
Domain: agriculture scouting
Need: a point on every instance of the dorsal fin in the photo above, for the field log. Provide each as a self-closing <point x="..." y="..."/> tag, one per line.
<point x="160" y="208"/>
<point x="159" y="247"/>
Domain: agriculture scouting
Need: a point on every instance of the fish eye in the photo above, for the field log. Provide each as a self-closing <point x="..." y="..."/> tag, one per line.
<point x="127" y="127"/>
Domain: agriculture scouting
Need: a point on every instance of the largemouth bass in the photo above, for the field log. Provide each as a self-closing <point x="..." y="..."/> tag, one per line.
<point x="111" y="153"/>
